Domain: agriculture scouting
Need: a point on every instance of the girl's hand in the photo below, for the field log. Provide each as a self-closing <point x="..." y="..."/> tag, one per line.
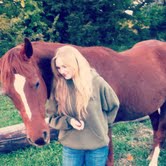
<point x="76" y="124"/>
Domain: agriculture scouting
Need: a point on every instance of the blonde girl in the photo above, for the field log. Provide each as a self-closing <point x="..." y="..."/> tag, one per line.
<point x="82" y="106"/>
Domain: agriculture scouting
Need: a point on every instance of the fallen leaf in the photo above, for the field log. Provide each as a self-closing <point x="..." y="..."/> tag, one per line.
<point x="130" y="157"/>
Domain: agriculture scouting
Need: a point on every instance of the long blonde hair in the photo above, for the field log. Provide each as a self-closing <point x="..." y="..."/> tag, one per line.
<point x="82" y="82"/>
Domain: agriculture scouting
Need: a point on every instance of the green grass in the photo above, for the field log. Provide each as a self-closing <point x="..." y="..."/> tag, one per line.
<point x="132" y="143"/>
<point x="49" y="155"/>
<point x="131" y="139"/>
<point x="8" y="113"/>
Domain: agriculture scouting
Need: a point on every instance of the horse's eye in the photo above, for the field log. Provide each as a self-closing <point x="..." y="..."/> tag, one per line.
<point x="37" y="85"/>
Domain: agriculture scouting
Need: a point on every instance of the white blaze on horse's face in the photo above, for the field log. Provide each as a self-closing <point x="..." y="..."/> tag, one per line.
<point x="19" y="87"/>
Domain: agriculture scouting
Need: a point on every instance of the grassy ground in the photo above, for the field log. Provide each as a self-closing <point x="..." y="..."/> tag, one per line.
<point x="132" y="144"/>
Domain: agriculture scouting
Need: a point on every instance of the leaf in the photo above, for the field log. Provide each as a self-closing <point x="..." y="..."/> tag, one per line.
<point x="130" y="157"/>
<point x="22" y="3"/>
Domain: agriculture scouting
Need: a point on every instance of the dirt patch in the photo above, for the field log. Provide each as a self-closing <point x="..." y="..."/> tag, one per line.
<point x="143" y="137"/>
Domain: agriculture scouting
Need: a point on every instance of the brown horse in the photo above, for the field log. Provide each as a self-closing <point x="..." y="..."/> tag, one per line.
<point x="138" y="77"/>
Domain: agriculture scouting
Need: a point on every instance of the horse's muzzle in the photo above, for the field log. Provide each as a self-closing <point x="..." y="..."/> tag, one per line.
<point x="40" y="141"/>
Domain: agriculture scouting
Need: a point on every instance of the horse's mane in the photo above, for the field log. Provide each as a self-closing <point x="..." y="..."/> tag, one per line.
<point x="11" y="63"/>
<point x="6" y="68"/>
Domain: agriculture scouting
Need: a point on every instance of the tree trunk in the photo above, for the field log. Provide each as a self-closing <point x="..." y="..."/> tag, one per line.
<point x="14" y="138"/>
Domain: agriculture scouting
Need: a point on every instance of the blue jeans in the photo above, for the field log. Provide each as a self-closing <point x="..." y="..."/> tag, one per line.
<point x="74" y="157"/>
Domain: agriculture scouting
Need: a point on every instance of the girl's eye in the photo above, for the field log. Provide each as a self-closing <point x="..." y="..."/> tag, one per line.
<point x="64" y="67"/>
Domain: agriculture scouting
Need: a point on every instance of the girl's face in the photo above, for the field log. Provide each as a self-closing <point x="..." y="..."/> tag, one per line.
<point x="66" y="71"/>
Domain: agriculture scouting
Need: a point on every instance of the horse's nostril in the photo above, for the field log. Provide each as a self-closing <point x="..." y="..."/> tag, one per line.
<point x="45" y="135"/>
<point x="40" y="141"/>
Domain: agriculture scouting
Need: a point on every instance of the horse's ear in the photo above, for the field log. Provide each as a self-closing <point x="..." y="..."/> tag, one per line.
<point x="28" y="48"/>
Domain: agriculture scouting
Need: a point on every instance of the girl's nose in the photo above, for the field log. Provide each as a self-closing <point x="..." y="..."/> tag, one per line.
<point x="62" y="71"/>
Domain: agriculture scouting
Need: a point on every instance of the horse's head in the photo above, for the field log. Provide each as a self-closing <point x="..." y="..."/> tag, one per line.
<point x="22" y="81"/>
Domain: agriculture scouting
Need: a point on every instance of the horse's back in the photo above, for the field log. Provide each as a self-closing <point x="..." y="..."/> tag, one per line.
<point x="154" y="47"/>
<point x="144" y="88"/>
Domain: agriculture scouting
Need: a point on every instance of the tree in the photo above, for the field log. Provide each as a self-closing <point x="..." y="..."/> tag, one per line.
<point x="85" y="22"/>
<point x="150" y="21"/>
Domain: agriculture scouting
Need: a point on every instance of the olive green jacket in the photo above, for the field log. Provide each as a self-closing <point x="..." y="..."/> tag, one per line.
<point x="101" y="112"/>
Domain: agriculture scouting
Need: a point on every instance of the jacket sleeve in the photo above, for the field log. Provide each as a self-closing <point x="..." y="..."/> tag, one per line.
<point x="60" y="122"/>
<point x="56" y="121"/>
<point x="109" y="101"/>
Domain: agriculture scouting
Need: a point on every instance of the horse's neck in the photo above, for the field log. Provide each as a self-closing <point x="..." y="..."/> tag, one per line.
<point x="45" y="49"/>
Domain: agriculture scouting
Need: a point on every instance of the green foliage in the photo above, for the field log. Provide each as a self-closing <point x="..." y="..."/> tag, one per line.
<point x="9" y="16"/>
<point x="19" y="22"/>
<point x="32" y="24"/>
<point x="85" y="23"/>
<point x="157" y="22"/>
<point x="149" y="21"/>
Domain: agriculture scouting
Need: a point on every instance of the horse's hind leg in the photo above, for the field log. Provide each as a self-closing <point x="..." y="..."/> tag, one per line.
<point x="159" y="127"/>
<point x="154" y="117"/>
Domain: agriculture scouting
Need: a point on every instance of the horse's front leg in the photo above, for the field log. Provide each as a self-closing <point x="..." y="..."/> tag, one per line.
<point x="110" y="160"/>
